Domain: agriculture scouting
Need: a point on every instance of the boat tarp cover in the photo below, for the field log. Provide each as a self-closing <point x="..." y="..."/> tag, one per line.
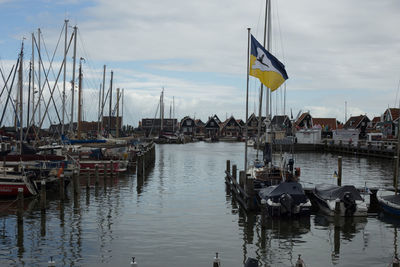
<point x="331" y="192"/>
<point x="294" y="189"/>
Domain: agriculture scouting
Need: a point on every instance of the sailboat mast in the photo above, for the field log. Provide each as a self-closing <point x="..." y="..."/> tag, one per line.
<point x="110" y="107"/>
<point x="65" y="73"/>
<point x="71" y="124"/>
<point x="33" y="78"/>
<point x="102" y="98"/>
<point x="39" y="78"/>
<point x="99" y="111"/>
<point x="80" y="99"/>
<point x="117" y="123"/>
<point x="122" y="116"/>
<point x="29" y="96"/>
<point x="262" y="86"/>
<point x="20" y="83"/>
<point x="247" y="100"/>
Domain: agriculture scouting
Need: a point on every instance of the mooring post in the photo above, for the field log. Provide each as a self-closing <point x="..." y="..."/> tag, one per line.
<point x="88" y="179"/>
<point x="43" y="195"/>
<point x="339" y="178"/>
<point x="139" y="165"/>
<point x="61" y="182"/>
<point x="249" y="188"/>
<point x="104" y="169"/>
<point x="111" y="168"/>
<point x="97" y="174"/>
<point x="242" y="178"/>
<point x="217" y="261"/>
<point x="20" y="205"/>
<point x="234" y="172"/>
<point x="228" y="166"/>
<point x="264" y="213"/>
<point x="395" y="172"/>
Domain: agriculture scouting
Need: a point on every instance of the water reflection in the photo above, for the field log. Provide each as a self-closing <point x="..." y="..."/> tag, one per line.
<point x="344" y="229"/>
<point x="180" y="209"/>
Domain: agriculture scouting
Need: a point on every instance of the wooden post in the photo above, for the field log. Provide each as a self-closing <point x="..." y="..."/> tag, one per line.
<point x="61" y="185"/>
<point x="20" y="205"/>
<point x="228" y="166"/>
<point x="111" y="168"/>
<point x="97" y="174"/>
<point x="234" y="172"/>
<point x="249" y="187"/>
<point x="43" y="195"/>
<point x="264" y="213"/>
<point x="395" y="173"/>
<point x="217" y="261"/>
<point x="105" y="170"/>
<point x="88" y="179"/>
<point x="242" y="178"/>
<point x="339" y="178"/>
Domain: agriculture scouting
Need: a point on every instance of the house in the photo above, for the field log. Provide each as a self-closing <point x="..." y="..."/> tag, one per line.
<point x="358" y="122"/>
<point x="327" y="125"/>
<point x="188" y="126"/>
<point x="281" y="123"/>
<point x="212" y="127"/>
<point x="231" y="128"/>
<point x="388" y="123"/>
<point x="110" y="124"/>
<point x="304" y="121"/>
<point x="252" y="125"/>
<point x="200" y="127"/>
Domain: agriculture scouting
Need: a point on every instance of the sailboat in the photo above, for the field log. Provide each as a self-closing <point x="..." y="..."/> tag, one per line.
<point x="271" y="73"/>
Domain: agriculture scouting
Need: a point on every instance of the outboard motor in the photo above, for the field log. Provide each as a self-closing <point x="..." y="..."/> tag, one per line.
<point x="290" y="165"/>
<point x="267" y="154"/>
<point x="349" y="204"/>
<point x="250" y="262"/>
<point x="286" y="201"/>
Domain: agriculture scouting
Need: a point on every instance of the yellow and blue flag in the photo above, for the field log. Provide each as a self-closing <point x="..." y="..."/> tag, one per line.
<point x="263" y="65"/>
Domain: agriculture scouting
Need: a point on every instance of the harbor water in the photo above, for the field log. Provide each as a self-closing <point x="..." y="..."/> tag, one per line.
<point x="180" y="214"/>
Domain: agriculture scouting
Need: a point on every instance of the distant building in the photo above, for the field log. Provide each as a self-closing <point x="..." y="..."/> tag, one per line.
<point x="231" y="128"/>
<point x="153" y="126"/>
<point x="212" y="127"/>
<point x="327" y="125"/>
<point x="282" y="123"/>
<point x="358" y="122"/>
<point x="188" y="126"/>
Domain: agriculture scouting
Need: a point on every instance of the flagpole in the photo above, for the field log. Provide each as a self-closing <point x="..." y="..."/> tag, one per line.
<point x="247" y="99"/>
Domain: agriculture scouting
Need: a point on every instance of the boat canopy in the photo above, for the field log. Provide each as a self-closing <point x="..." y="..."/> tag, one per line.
<point x="331" y="192"/>
<point x="294" y="189"/>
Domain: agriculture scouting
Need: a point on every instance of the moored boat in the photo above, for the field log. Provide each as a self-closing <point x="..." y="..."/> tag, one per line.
<point x="285" y="199"/>
<point x="339" y="200"/>
<point x="389" y="202"/>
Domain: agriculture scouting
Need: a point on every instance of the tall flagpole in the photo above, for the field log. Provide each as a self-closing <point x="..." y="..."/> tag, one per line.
<point x="247" y="99"/>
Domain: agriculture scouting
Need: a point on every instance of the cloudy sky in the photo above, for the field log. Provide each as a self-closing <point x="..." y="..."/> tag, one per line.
<point x="334" y="52"/>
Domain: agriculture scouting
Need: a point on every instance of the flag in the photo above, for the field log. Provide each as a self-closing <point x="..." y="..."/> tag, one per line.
<point x="263" y="65"/>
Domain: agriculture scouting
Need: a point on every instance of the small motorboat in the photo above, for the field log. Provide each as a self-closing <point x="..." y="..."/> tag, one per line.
<point x="339" y="200"/>
<point x="285" y="199"/>
<point x="389" y="202"/>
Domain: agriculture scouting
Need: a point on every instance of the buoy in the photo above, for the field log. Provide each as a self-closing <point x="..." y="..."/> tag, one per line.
<point x="217" y="261"/>
<point x="133" y="262"/>
<point x="51" y="263"/>
<point x="300" y="262"/>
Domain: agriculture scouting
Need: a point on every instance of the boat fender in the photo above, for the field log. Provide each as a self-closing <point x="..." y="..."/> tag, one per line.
<point x="349" y="204"/>
<point x="133" y="262"/>
<point x="297" y="172"/>
<point x="251" y="262"/>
